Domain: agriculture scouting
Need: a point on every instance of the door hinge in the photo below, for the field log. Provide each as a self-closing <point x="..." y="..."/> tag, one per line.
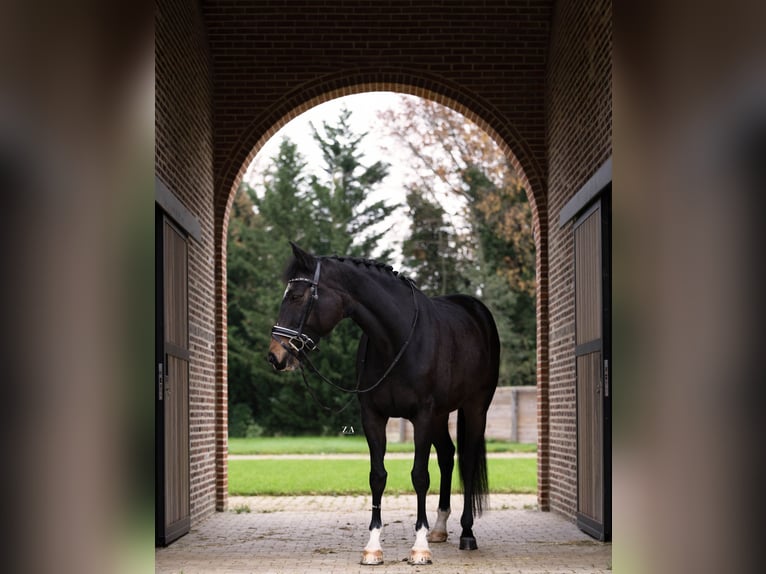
<point x="160" y="380"/>
<point x="606" y="377"/>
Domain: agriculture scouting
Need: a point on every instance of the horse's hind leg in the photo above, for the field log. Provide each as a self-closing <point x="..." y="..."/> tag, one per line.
<point x="473" y="469"/>
<point x="445" y="452"/>
<point x="375" y="431"/>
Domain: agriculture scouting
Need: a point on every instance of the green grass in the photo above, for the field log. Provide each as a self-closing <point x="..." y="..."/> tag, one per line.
<point x="340" y="445"/>
<point x="281" y="477"/>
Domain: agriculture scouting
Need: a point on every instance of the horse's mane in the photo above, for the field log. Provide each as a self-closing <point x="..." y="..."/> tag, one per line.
<point x="368" y="263"/>
<point x="295" y="266"/>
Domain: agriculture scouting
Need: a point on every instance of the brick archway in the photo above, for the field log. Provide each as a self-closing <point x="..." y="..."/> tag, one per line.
<point x="262" y="128"/>
<point x="536" y="74"/>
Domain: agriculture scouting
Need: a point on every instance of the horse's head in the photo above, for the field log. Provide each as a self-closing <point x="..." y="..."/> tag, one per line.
<point x="309" y="310"/>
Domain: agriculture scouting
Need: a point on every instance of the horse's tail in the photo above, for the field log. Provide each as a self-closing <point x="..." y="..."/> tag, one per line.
<point x="472" y="458"/>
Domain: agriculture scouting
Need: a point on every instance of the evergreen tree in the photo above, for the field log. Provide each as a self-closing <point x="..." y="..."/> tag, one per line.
<point x="246" y="335"/>
<point x="324" y="214"/>
<point x="430" y="251"/>
<point x="347" y="222"/>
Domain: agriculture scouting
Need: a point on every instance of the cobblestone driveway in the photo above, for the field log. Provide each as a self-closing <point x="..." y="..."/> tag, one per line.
<point x="326" y="534"/>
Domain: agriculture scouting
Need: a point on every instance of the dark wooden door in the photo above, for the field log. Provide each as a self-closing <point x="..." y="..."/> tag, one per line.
<point x="592" y="355"/>
<point x="172" y="384"/>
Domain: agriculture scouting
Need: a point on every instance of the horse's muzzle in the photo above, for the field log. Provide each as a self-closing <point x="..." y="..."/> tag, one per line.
<point x="278" y="366"/>
<point x="279" y="358"/>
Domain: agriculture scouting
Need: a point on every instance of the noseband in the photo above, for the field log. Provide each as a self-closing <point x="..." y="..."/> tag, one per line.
<point x="298" y="341"/>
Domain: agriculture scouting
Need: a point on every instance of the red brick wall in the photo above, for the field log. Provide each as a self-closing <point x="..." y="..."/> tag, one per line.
<point x="579" y="141"/>
<point x="184" y="161"/>
<point x="274" y="59"/>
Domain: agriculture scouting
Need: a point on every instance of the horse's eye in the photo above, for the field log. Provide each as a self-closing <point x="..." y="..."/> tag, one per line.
<point x="295" y="296"/>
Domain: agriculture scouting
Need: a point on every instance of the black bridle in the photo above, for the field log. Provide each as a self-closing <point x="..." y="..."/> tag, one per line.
<point x="299" y="343"/>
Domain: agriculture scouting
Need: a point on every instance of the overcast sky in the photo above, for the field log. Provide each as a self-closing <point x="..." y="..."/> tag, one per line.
<point x="364" y="108"/>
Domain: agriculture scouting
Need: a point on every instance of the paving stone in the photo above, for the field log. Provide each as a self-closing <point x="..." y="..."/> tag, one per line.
<point x="326" y="534"/>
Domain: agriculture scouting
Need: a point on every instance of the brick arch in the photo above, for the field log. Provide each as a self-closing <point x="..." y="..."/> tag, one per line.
<point x="346" y="83"/>
<point x="307" y="96"/>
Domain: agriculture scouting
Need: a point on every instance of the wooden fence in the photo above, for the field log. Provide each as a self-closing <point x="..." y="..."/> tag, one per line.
<point x="511" y="416"/>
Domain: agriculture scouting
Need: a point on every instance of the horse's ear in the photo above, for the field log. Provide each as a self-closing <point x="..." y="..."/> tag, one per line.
<point x="302" y="257"/>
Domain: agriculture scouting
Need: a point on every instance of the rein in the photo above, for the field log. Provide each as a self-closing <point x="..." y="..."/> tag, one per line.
<point x="300" y="343"/>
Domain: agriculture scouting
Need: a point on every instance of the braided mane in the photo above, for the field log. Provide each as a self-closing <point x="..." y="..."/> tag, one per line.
<point x="307" y="265"/>
<point x="370" y="264"/>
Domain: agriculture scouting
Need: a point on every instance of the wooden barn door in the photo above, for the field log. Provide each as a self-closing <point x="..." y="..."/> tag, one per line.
<point x="592" y="352"/>
<point x="172" y="384"/>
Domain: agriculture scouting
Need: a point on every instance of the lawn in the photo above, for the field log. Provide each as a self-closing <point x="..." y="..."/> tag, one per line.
<point x="340" y="445"/>
<point x="335" y="477"/>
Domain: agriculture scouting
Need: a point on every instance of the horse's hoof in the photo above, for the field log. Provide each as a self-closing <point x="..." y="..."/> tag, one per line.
<point x="418" y="557"/>
<point x="468" y="543"/>
<point x="437" y="536"/>
<point x="372" y="557"/>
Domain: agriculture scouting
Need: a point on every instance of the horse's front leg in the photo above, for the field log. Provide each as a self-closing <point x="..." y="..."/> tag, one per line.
<point x="375" y="431"/>
<point x="420" y="552"/>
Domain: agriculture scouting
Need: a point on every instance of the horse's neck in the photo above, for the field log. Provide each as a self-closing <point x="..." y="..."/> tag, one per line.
<point x="383" y="310"/>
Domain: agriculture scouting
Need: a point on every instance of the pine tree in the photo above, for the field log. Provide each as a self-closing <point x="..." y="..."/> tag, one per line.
<point x="430" y="251"/>
<point x="246" y="335"/>
<point x="348" y="222"/>
<point x="259" y="229"/>
<point x="325" y="214"/>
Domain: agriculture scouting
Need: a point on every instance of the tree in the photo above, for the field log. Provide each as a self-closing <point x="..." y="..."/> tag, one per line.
<point x="503" y="221"/>
<point x="457" y="163"/>
<point x="347" y="222"/>
<point x="326" y="213"/>
<point x="430" y="251"/>
<point x="256" y="251"/>
<point x="505" y="276"/>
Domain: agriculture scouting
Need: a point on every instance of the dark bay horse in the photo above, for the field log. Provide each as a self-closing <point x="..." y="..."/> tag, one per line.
<point x="419" y="358"/>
